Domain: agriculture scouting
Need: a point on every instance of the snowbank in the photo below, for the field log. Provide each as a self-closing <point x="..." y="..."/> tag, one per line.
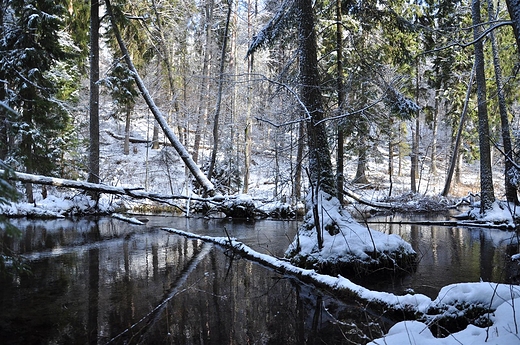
<point x="504" y="330"/>
<point x="345" y="241"/>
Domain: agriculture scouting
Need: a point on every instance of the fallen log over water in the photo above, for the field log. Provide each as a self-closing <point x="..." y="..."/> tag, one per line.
<point x="450" y="223"/>
<point x="361" y="200"/>
<point x="443" y="317"/>
<point x="399" y="307"/>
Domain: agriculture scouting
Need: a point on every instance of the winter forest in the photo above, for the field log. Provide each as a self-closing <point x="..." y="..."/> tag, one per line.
<point x="322" y="113"/>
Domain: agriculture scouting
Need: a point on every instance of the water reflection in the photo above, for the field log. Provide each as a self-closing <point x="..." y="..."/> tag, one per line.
<point x="106" y="281"/>
<point x="450" y="255"/>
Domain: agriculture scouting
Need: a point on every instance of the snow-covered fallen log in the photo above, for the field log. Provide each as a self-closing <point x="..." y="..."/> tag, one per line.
<point x="450" y="223"/>
<point x="361" y="200"/>
<point x="137" y="193"/>
<point x="338" y="284"/>
<point x="130" y="220"/>
<point x="133" y="140"/>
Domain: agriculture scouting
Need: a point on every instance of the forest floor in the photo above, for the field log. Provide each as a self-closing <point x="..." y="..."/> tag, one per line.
<point x="162" y="170"/>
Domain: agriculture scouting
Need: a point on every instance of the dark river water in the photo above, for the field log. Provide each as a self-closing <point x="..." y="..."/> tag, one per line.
<point x="105" y="281"/>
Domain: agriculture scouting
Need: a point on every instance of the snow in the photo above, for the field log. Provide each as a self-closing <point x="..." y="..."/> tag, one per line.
<point x="55" y="207"/>
<point x="354" y="241"/>
<point x="503" y="331"/>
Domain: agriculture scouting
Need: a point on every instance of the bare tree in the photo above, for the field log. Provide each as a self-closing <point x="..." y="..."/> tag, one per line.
<point x="487" y="193"/>
<point x="219" y="92"/>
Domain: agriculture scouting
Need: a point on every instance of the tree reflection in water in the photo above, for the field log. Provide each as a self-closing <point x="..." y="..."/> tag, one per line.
<point x="110" y="282"/>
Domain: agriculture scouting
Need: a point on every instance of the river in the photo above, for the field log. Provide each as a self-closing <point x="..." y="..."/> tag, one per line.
<point x="105" y="281"/>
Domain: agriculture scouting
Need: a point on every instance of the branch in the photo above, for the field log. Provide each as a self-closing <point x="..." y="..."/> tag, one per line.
<point x="273" y="28"/>
<point x="465" y="45"/>
<point x="351" y="113"/>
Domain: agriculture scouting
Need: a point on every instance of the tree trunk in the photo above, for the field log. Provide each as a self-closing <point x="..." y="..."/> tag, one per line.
<point x="435" y="125"/>
<point x="4" y="147"/>
<point x="487" y="194"/>
<point x="362" y="159"/>
<point x="137" y="193"/>
<point x="93" y="175"/>
<point x="390" y="166"/>
<point x="126" y="145"/>
<point x="414" y="166"/>
<point x="341" y="102"/>
<point x="249" y="123"/>
<point x="155" y="136"/>
<point x="165" y="58"/>
<point x="219" y="93"/>
<point x="455" y="157"/>
<point x="513" y="7"/>
<point x="320" y="165"/>
<point x="297" y="186"/>
<point x="511" y="195"/>
<point x="195" y="170"/>
<point x="203" y="106"/>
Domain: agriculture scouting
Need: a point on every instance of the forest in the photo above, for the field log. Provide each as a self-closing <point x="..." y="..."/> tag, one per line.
<point x="224" y="106"/>
<point x="425" y="88"/>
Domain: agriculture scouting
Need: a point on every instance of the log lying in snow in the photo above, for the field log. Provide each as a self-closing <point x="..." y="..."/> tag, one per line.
<point x="134" y="140"/>
<point x="137" y="193"/>
<point x="361" y="200"/>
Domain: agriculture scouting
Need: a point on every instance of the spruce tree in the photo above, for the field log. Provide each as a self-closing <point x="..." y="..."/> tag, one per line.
<point x="30" y="50"/>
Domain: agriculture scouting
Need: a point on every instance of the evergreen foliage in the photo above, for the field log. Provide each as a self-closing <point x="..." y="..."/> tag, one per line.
<point x="31" y="49"/>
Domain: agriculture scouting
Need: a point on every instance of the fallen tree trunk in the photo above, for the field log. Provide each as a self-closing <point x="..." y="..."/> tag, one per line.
<point x="209" y="188"/>
<point x="396" y="307"/>
<point x="137" y="193"/>
<point x="444" y="318"/>
<point x="133" y="140"/>
<point x="450" y="223"/>
<point x="361" y="200"/>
